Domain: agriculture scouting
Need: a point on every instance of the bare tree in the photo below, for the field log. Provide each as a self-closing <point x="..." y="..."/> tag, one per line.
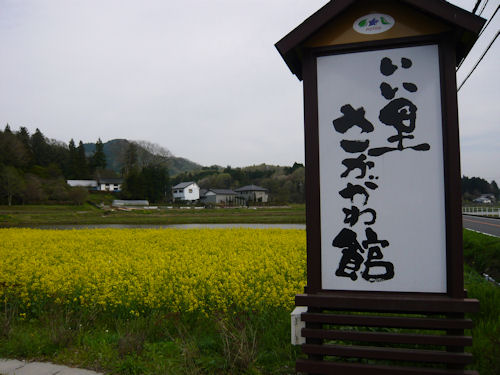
<point x="154" y="148"/>
<point x="151" y="153"/>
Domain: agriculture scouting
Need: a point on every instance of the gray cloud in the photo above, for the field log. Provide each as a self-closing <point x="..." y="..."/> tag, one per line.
<point x="201" y="78"/>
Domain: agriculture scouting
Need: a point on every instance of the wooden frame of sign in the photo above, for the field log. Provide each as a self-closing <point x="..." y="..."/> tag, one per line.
<point x="348" y="317"/>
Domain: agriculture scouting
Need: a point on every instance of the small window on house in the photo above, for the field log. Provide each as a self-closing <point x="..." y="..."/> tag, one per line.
<point x="190" y="190"/>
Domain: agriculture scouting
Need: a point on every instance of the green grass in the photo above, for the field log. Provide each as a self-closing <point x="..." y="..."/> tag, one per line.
<point x="158" y="343"/>
<point x="482" y="253"/>
<point x="486" y="332"/>
<point x="33" y="215"/>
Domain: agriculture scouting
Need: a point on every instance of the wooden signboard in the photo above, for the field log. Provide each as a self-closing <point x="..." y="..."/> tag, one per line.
<point x="383" y="184"/>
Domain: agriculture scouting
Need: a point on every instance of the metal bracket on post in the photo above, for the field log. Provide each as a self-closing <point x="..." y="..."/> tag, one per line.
<point x="297" y="325"/>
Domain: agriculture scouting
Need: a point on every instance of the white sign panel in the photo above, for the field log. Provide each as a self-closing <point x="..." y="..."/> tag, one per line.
<point x="381" y="171"/>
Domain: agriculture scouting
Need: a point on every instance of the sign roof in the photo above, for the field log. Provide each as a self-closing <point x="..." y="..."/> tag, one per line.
<point x="466" y="26"/>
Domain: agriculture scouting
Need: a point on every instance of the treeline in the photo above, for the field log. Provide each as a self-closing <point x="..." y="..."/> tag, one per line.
<point x="34" y="169"/>
<point x="47" y="157"/>
<point x="144" y="180"/>
<point x="285" y="184"/>
<point x="473" y="187"/>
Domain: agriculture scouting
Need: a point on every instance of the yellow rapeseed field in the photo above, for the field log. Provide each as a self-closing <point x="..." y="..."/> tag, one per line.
<point x="141" y="269"/>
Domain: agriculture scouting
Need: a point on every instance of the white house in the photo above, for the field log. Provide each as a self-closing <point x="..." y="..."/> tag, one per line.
<point x="483" y="200"/>
<point x="110" y="184"/>
<point x="221" y="196"/>
<point x="186" y="191"/>
<point x="103" y="184"/>
<point x="253" y="193"/>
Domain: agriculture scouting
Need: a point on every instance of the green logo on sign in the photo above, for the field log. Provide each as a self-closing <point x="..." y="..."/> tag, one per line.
<point x="384" y="21"/>
<point x="373" y="23"/>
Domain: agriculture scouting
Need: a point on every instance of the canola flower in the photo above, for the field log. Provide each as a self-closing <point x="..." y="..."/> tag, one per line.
<point x="135" y="270"/>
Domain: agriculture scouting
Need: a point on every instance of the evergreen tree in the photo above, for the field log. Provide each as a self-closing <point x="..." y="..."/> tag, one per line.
<point x="73" y="172"/>
<point x="131" y="159"/>
<point x="23" y="136"/>
<point x="12" y="150"/>
<point x="494" y="189"/>
<point x="134" y="186"/>
<point x="40" y="148"/>
<point x="81" y="162"/>
<point x="156" y="182"/>
<point x="98" y="161"/>
<point x="59" y="159"/>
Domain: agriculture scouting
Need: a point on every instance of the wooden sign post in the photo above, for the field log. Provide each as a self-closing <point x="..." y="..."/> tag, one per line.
<point x="384" y="224"/>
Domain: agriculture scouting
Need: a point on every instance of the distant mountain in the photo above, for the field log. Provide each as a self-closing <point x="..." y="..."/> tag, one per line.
<point x="147" y="152"/>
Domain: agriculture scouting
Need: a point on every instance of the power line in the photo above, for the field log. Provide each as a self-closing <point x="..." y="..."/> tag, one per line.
<point x="475" y="66"/>
<point x="484" y="6"/>
<point x="480" y="33"/>
<point x="476" y="6"/>
<point x="487" y="23"/>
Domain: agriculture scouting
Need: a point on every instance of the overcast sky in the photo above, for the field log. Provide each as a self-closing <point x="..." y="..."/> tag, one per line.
<point x="201" y="78"/>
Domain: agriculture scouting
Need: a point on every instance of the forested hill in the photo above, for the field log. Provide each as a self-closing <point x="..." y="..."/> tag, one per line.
<point x="34" y="168"/>
<point x="147" y="153"/>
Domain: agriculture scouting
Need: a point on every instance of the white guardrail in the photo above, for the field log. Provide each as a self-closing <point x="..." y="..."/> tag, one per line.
<point x="482" y="211"/>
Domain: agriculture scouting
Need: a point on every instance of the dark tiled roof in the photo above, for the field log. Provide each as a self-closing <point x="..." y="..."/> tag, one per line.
<point x="182" y="185"/>
<point x="223" y="191"/>
<point x="250" y="188"/>
<point x="111" y="180"/>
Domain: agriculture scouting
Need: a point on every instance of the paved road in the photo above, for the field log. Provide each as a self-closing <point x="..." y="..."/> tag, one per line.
<point x="15" y="367"/>
<point x="482" y="224"/>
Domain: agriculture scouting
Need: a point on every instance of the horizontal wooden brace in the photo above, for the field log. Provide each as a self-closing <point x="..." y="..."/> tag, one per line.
<point x="385" y="337"/>
<point x="388" y="303"/>
<point x="387" y="321"/>
<point x="395" y="354"/>
<point x="326" y="367"/>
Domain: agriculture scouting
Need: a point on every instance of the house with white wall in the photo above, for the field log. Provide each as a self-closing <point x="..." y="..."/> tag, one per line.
<point x="253" y="193"/>
<point x="110" y="184"/>
<point x="221" y="196"/>
<point x="102" y="184"/>
<point x="186" y="191"/>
